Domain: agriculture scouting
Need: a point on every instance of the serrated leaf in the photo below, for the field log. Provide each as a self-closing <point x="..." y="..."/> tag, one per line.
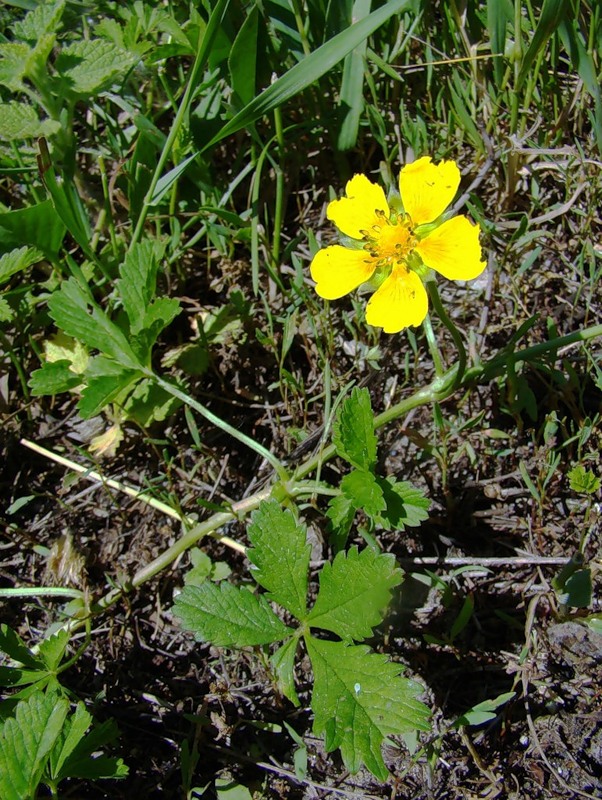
<point x="280" y="554"/>
<point x="102" y="390"/>
<point x="38" y="226"/>
<point x="61" y="347"/>
<point x="405" y="506"/>
<point x="363" y="491"/>
<point x="353" y="430"/>
<point x="354" y="590"/>
<point x="53" y="378"/>
<point x="20" y="121"/>
<point x="228" y="616"/>
<point x="52" y="650"/>
<point x="84" y="761"/>
<point x="14" y="57"/>
<point x="43" y="19"/>
<point x="149" y="403"/>
<point x="74" y="311"/>
<point x="359" y="698"/>
<point x="14" y="647"/>
<point x="89" y="65"/>
<point x="582" y="480"/>
<point x="73" y="731"/>
<point x="26" y="741"/>
<point x="138" y="280"/>
<point x="283" y="664"/>
<point x="6" y="312"/>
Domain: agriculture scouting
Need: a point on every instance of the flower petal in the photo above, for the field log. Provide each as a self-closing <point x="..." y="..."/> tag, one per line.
<point x="401" y="301"/>
<point x="339" y="270"/>
<point x="358" y="211"/>
<point x="453" y="249"/>
<point x="427" y="189"/>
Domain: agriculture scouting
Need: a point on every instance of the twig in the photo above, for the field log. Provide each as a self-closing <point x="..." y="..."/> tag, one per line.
<point x="461" y="561"/>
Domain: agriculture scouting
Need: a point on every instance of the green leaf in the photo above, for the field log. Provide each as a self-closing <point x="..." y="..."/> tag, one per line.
<point x="242" y="61"/>
<point x="578" y="589"/>
<point x="52" y="650"/>
<point x="553" y="12"/>
<point x="484" y="712"/>
<point x="283" y="664"/>
<point x="280" y="555"/>
<point x="583" y="481"/>
<point x="74" y="311"/>
<point x="14" y="58"/>
<point x="165" y="183"/>
<point x="405" y="506"/>
<point x="358" y="700"/>
<point x="6" y="312"/>
<point x="20" y="121"/>
<point x="18" y="260"/>
<point x="228" y="616"/>
<point x="77" y="756"/>
<point x="352" y="87"/>
<point x="43" y="19"/>
<point x="353" y="430"/>
<point x="363" y="491"/>
<point x="14" y="647"/>
<point x="53" y="378"/>
<point x="38" y="226"/>
<point x="138" y="280"/>
<point x="340" y="513"/>
<point x="89" y="65"/>
<point x="309" y="70"/>
<point x="26" y="741"/>
<point x="103" y="389"/>
<point x="148" y="403"/>
<point x="354" y="591"/>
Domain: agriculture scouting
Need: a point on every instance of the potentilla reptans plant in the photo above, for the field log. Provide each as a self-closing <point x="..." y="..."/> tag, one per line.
<point x="392" y="245"/>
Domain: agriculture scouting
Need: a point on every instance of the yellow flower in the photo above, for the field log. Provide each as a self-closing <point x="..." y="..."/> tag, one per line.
<point x="394" y="247"/>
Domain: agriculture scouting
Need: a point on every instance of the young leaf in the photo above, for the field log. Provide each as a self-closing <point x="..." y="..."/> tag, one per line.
<point x="74" y="311"/>
<point x="363" y="491"/>
<point x="340" y="513"/>
<point x="228" y="616"/>
<point x="26" y="741"/>
<point x="354" y="590"/>
<point x="280" y="554"/>
<point x="358" y="700"/>
<point x="353" y="431"/>
<point x="405" y="506"/>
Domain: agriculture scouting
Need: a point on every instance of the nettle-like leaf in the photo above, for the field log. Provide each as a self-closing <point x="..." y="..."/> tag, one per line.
<point x="20" y="121"/>
<point x="353" y="430"/>
<point x="359" y="698"/>
<point x="354" y="591"/>
<point x="88" y="65"/>
<point x="43" y="19"/>
<point x="29" y="669"/>
<point x="19" y="259"/>
<point x="228" y="615"/>
<point x="26" y="741"/>
<point x="14" y="57"/>
<point x="280" y="554"/>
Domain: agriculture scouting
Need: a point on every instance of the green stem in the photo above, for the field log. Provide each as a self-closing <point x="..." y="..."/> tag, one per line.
<point x="205" y="44"/>
<point x="220" y="423"/>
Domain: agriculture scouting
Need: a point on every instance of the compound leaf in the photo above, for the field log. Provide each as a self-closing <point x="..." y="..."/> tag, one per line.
<point x="359" y="698"/>
<point x="138" y="280"/>
<point x="26" y="741"/>
<point x="74" y="311"/>
<point x="281" y="555"/>
<point x="354" y="590"/>
<point x="228" y="616"/>
<point x="353" y="431"/>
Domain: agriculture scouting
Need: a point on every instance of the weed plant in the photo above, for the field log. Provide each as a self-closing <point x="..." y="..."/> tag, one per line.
<point x="172" y="177"/>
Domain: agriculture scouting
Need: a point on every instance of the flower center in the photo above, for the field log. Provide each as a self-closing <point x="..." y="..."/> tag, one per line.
<point x="390" y="242"/>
